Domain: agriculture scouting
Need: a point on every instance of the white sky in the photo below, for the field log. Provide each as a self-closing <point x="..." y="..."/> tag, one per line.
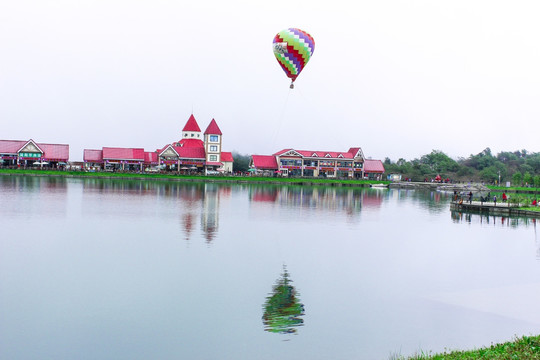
<point x="398" y="78"/>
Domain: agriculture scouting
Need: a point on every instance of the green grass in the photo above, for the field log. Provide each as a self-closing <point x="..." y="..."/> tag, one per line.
<point x="176" y="177"/>
<point x="513" y="188"/>
<point x="523" y="348"/>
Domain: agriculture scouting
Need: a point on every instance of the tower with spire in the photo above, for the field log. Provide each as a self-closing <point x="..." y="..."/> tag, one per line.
<point x="212" y="144"/>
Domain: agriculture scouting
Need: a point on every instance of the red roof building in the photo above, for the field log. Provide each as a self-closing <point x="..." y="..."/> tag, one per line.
<point x="264" y="162"/>
<point x="316" y="163"/>
<point x="226" y="156"/>
<point x="114" y="154"/>
<point x="373" y="166"/>
<point x="27" y="153"/>
<point x="196" y="151"/>
<point x="93" y="156"/>
<point x="192" y="152"/>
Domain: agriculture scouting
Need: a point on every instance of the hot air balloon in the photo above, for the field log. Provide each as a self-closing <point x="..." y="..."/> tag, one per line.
<point x="293" y="48"/>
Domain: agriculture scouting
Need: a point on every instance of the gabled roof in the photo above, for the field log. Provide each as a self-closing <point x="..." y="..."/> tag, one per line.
<point x="91" y="155"/>
<point x="264" y="162"/>
<point x="110" y="153"/>
<point x="190" y="152"/>
<point x="289" y="152"/>
<point x="313" y="154"/>
<point x="171" y="147"/>
<point x="191" y="143"/>
<point x="50" y="151"/>
<point x="213" y="128"/>
<point x="226" y="156"/>
<point x="373" y="166"/>
<point x="11" y="146"/>
<point x="32" y="144"/>
<point x="357" y="152"/>
<point x="191" y="125"/>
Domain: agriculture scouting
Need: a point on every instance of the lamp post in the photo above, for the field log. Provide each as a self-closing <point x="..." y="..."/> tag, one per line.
<point x="499" y="177"/>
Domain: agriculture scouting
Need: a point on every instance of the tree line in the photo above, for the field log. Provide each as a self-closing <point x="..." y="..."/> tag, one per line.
<point x="520" y="167"/>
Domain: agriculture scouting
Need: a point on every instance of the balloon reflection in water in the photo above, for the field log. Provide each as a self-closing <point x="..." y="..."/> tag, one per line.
<point x="282" y="309"/>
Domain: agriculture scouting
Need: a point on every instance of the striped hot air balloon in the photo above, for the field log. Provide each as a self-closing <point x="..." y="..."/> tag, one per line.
<point x="293" y="48"/>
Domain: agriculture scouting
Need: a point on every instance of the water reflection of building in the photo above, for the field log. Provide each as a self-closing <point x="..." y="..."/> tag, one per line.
<point x="27" y="188"/>
<point x="197" y="203"/>
<point x="210" y="212"/>
<point x="320" y="198"/>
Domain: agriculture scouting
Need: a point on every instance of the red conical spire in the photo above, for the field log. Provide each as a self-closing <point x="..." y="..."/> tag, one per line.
<point x="213" y="128"/>
<point x="192" y="125"/>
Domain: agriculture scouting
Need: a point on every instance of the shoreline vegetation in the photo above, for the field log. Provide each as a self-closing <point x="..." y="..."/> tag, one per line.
<point x="522" y="348"/>
<point x="191" y="178"/>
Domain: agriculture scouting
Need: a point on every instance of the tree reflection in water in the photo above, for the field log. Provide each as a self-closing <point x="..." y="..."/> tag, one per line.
<point x="282" y="309"/>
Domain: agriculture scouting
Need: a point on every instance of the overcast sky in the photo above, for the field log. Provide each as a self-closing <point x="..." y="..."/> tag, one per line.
<point x="397" y="78"/>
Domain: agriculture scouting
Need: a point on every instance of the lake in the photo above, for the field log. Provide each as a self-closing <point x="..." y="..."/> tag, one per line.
<point x="116" y="269"/>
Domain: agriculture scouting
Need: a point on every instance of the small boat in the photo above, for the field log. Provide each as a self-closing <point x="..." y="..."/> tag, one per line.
<point x="379" y="186"/>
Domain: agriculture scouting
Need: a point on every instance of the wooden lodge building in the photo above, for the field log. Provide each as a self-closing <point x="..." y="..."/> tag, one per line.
<point x="195" y="151"/>
<point x="28" y="153"/>
<point x="307" y="163"/>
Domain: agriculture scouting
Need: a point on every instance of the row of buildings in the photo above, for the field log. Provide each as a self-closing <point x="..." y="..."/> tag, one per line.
<point x="195" y="152"/>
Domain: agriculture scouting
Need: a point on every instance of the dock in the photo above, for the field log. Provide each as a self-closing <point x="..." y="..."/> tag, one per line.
<point x="492" y="208"/>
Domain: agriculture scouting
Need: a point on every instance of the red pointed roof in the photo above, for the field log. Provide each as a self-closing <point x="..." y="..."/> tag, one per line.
<point x="192" y="125"/>
<point x="213" y="128"/>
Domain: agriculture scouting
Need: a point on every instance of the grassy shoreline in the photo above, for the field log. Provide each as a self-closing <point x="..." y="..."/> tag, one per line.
<point x="522" y="348"/>
<point x="191" y="178"/>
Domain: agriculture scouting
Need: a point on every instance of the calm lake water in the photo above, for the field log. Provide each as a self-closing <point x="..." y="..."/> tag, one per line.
<point x="102" y="269"/>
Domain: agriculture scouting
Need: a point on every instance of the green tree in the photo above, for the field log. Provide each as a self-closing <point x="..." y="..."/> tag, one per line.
<point x="490" y="174"/>
<point x="527" y="178"/>
<point x="439" y="162"/>
<point x="537" y="181"/>
<point x="241" y="162"/>
<point x="517" y="177"/>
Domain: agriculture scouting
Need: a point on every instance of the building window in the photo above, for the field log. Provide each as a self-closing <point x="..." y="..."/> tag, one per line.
<point x="213" y="157"/>
<point x="192" y="135"/>
<point x="214" y="138"/>
<point x="185" y="135"/>
<point x="213" y="147"/>
<point x="327" y="163"/>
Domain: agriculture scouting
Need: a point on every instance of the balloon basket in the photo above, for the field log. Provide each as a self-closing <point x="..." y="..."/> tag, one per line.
<point x="292" y="86"/>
